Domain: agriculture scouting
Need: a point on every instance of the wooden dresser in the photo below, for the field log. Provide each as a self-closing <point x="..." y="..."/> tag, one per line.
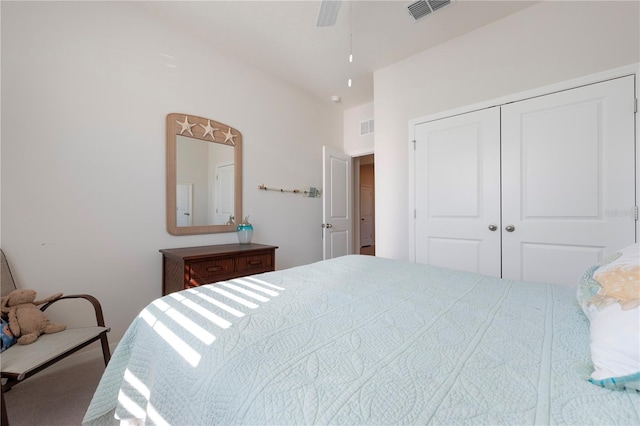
<point x="188" y="267"/>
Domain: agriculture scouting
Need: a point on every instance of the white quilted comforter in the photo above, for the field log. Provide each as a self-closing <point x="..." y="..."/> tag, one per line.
<point x="359" y="340"/>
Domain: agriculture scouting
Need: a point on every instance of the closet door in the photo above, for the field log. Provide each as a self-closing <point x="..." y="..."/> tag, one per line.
<point x="568" y="185"/>
<point x="457" y="195"/>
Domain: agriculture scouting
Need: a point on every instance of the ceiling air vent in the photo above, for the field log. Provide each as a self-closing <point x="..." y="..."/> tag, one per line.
<point x="366" y="127"/>
<point x="328" y="13"/>
<point x="421" y="8"/>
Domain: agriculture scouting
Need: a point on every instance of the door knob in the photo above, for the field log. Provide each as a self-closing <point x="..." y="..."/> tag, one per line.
<point x="510" y="228"/>
<point x="493" y="227"/>
<point x="327" y="225"/>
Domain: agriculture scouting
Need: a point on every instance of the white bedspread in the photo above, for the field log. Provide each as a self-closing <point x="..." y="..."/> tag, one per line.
<point x="359" y="340"/>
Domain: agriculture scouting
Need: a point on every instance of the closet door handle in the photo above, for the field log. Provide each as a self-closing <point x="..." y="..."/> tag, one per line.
<point x="493" y="227"/>
<point x="510" y="228"/>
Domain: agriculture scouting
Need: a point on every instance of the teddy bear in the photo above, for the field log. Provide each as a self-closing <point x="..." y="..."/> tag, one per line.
<point x="26" y="321"/>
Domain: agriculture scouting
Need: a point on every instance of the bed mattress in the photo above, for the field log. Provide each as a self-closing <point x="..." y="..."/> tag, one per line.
<point x="359" y="340"/>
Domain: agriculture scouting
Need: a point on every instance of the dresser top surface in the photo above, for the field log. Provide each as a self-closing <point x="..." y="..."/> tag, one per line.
<point x="220" y="249"/>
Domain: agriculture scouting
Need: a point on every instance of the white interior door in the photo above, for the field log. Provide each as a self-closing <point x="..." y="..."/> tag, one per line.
<point x="567" y="181"/>
<point x="457" y="192"/>
<point x="366" y="215"/>
<point x="337" y="204"/>
<point x="225" y="179"/>
<point x="184" y="201"/>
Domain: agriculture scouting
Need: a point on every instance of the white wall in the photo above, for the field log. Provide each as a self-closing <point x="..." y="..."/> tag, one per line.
<point x="356" y="144"/>
<point x="547" y="43"/>
<point x="86" y="87"/>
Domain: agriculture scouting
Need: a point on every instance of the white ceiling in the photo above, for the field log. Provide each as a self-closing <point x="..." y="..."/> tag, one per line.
<point x="281" y="37"/>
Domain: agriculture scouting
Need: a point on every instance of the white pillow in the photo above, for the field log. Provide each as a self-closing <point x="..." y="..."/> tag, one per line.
<point x="609" y="294"/>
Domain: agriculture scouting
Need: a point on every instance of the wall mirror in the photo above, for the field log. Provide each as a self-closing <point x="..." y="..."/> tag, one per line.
<point x="204" y="176"/>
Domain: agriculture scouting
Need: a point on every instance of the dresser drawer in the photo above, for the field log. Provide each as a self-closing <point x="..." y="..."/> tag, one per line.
<point x="254" y="263"/>
<point x="188" y="267"/>
<point x="208" y="271"/>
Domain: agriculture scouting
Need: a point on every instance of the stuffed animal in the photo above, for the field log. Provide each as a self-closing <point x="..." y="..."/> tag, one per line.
<point x="26" y="321"/>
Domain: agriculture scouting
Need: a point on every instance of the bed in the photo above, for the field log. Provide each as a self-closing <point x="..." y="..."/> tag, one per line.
<point x="361" y="340"/>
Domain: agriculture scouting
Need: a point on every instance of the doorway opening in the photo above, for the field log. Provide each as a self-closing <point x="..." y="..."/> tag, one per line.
<point x="364" y="203"/>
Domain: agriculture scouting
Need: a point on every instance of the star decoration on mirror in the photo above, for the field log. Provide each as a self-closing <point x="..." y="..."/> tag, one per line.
<point x="186" y="125"/>
<point x="208" y="130"/>
<point x="229" y="137"/>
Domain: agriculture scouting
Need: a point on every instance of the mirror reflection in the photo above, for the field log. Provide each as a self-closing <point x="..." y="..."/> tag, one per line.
<point x="204" y="183"/>
<point x="204" y="173"/>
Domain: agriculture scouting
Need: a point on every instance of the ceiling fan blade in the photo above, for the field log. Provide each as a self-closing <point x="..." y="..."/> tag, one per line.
<point x="328" y="13"/>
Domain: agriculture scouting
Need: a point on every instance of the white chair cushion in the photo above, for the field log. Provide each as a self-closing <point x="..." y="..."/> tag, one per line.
<point x="21" y="359"/>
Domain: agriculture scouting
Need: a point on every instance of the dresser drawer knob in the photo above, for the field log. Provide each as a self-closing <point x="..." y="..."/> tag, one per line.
<point x="255" y="262"/>
<point x="214" y="268"/>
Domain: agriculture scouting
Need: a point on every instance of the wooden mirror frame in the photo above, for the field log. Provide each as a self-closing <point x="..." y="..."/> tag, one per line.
<point x="211" y="131"/>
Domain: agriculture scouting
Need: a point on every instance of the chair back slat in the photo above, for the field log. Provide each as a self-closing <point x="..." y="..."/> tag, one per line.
<point x="6" y="278"/>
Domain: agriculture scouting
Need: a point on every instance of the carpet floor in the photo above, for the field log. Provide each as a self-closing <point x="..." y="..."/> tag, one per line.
<point x="58" y="398"/>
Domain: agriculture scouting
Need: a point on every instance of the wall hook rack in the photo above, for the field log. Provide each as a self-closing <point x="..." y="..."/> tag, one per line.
<point x="306" y="192"/>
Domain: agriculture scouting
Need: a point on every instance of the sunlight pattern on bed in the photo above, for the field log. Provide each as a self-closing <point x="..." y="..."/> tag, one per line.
<point x="364" y="340"/>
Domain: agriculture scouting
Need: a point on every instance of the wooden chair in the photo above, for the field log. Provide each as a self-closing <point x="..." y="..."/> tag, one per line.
<point x="20" y="362"/>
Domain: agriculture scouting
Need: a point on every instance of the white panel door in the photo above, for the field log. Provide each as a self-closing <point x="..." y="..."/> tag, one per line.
<point x="336" y="204"/>
<point x="225" y="195"/>
<point x="184" y="201"/>
<point x="457" y="196"/>
<point x="567" y="179"/>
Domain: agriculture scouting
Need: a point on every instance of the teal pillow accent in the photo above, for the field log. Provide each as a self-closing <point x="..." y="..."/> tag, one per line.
<point x="631" y="381"/>
<point x="6" y="336"/>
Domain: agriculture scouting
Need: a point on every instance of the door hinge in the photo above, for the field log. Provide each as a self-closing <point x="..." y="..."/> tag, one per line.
<point x="636" y="213"/>
<point x="415" y="214"/>
<point x="635" y="106"/>
<point x="414" y="144"/>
